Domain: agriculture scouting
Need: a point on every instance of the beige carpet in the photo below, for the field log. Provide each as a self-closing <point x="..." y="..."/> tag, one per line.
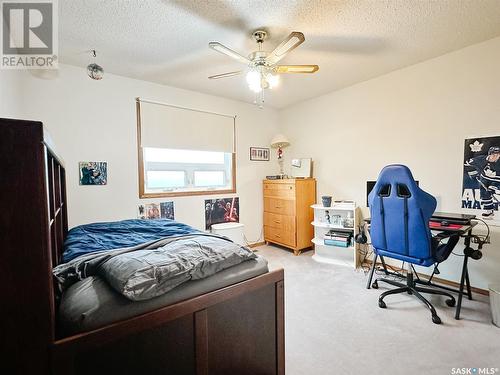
<point x="334" y="325"/>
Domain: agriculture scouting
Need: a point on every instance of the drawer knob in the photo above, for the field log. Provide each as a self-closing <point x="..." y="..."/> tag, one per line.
<point x="277" y="235"/>
<point x="277" y="207"/>
<point x="277" y="221"/>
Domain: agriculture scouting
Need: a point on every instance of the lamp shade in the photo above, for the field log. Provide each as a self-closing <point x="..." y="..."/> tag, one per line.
<point x="279" y="140"/>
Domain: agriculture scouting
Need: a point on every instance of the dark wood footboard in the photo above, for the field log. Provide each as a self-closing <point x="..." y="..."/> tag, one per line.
<point x="235" y="330"/>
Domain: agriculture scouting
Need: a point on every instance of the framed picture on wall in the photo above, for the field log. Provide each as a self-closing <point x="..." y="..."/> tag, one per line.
<point x="259" y="154"/>
<point x="93" y="172"/>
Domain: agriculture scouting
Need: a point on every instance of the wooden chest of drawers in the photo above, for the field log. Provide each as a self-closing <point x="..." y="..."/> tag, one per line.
<point x="288" y="213"/>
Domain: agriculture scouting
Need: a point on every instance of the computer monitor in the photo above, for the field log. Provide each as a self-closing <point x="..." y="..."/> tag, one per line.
<point x="369" y="188"/>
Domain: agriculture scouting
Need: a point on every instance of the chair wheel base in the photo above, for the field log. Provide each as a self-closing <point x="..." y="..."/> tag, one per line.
<point x="436" y="319"/>
<point x="450" y="302"/>
<point x="382" y="304"/>
<point x="375" y="285"/>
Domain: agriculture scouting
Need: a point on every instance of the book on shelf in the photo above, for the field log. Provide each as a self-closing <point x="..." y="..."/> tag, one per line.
<point x="331" y="242"/>
<point x="339" y="233"/>
<point x="337" y="238"/>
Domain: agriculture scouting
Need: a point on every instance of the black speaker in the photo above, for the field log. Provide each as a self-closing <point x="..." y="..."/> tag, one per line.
<point x="361" y="236"/>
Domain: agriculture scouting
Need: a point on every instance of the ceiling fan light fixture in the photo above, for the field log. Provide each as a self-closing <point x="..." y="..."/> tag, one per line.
<point x="254" y="81"/>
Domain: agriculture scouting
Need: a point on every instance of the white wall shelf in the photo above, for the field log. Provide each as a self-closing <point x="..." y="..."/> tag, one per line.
<point x="330" y="226"/>
<point x="320" y="241"/>
<point x="336" y="207"/>
<point x="345" y="256"/>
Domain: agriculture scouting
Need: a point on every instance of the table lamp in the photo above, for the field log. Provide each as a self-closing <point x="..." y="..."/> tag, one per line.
<point x="280" y="141"/>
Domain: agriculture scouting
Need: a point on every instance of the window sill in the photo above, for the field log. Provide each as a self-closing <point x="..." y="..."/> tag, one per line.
<point x="185" y="193"/>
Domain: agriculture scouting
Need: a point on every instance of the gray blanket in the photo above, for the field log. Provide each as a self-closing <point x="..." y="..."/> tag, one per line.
<point x="152" y="269"/>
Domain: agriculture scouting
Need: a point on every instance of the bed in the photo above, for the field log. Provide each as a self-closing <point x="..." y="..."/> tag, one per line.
<point x="229" y="323"/>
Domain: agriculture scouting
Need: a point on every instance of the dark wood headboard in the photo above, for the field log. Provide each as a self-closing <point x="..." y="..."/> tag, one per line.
<point x="58" y="214"/>
<point x="33" y="222"/>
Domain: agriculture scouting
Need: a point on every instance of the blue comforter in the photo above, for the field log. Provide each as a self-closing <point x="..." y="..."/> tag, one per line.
<point x="89" y="238"/>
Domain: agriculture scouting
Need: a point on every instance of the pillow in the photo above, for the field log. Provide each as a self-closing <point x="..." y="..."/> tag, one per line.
<point x="145" y="274"/>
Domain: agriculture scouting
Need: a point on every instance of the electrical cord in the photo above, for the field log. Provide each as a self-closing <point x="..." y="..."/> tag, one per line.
<point x="479" y="239"/>
<point x="253" y="242"/>
<point x="487" y="237"/>
<point x="396" y="274"/>
<point x="366" y="252"/>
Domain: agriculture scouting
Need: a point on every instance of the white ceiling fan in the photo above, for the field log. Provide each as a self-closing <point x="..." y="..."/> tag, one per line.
<point x="263" y="69"/>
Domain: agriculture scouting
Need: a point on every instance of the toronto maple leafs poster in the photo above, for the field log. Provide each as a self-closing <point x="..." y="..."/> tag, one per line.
<point x="481" y="178"/>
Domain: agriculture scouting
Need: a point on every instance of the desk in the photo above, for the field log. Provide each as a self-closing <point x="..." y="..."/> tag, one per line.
<point x="464" y="231"/>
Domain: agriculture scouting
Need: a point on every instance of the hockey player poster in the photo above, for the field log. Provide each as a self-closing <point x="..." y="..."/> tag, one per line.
<point x="481" y="179"/>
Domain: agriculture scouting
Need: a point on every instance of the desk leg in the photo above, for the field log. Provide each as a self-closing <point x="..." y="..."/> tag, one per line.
<point x="467" y="283"/>
<point x="461" y="290"/>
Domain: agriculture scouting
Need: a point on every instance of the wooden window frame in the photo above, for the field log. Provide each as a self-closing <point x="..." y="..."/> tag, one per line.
<point x="140" y="158"/>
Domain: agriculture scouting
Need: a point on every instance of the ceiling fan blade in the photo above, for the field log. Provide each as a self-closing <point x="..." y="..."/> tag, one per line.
<point x="296" y="68"/>
<point x="224" y="75"/>
<point x="228" y="52"/>
<point x="291" y="42"/>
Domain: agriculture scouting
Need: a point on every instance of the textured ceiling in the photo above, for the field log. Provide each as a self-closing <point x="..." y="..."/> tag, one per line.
<point x="351" y="40"/>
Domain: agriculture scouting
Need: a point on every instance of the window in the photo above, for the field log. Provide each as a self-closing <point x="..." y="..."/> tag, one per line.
<point x="180" y="171"/>
<point x="165" y="179"/>
<point x="209" y="178"/>
<point x="183" y="151"/>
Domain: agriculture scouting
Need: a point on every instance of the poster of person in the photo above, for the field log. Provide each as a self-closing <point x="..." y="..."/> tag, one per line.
<point x="221" y="210"/>
<point x="481" y="178"/>
<point x="167" y="210"/>
<point x="163" y="210"/>
<point x="93" y="172"/>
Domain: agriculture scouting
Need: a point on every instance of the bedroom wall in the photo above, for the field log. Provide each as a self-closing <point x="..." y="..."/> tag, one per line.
<point x="10" y="93"/>
<point x="96" y="120"/>
<point x="418" y="116"/>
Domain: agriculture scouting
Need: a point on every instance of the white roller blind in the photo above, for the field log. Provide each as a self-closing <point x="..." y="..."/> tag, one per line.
<point x="166" y="126"/>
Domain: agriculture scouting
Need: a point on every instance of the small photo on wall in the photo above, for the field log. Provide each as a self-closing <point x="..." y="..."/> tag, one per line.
<point x="167" y="210"/>
<point x="221" y="210"/>
<point x="259" y="154"/>
<point x="163" y="210"/>
<point x="93" y="172"/>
